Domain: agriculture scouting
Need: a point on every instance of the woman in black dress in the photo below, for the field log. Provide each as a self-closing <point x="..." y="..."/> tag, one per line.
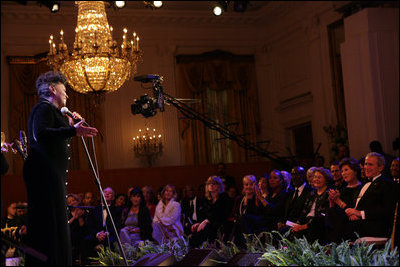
<point x="339" y="201"/>
<point x="45" y="171"/>
<point x="273" y="205"/>
<point x="248" y="219"/>
<point x="312" y="223"/>
<point x="215" y="213"/>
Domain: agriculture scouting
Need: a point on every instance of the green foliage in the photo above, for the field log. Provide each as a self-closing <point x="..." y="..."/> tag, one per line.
<point x="107" y="257"/>
<point x="285" y="252"/>
<point x="301" y="252"/>
<point x="228" y="250"/>
<point x="225" y="251"/>
<point x="179" y="248"/>
<point x="254" y="243"/>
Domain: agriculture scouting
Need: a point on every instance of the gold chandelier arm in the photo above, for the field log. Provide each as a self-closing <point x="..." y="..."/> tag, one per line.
<point x="97" y="64"/>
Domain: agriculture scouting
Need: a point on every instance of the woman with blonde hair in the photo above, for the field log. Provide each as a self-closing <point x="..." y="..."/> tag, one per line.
<point x="166" y="222"/>
<point x="310" y="176"/>
<point x="150" y="199"/>
<point x="248" y="211"/>
<point x="215" y="212"/>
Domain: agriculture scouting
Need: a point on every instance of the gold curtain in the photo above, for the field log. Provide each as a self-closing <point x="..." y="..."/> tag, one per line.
<point x="220" y="73"/>
<point x="23" y="96"/>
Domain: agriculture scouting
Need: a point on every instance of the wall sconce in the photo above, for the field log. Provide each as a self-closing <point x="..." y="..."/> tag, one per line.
<point x="148" y="146"/>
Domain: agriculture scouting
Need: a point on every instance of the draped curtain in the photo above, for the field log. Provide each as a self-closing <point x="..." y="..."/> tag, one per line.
<point x="225" y="84"/>
<point x="23" y="96"/>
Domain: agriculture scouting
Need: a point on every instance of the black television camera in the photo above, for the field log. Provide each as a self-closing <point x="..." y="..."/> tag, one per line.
<point x="145" y="106"/>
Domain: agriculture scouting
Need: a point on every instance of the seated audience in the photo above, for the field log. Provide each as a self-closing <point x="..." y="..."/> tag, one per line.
<point x="363" y="178"/>
<point x="159" y="196"/>
<point x="179" y="194"/>
<point x="100" y="232"/>
<point x="88" y="199"/>
<point x="233" y="195"/>
<point x="22" y="210"/>
<point x="192" y="208"/>
<point x="121" y="200"/>
<point x="372" y="214"/>
<point x="232" y="192"/>
<point x="394" y="170"/>
<point x="263" y="185"/>
<point x="312" y="223"/>
<point x="167" y="218"/>
<point x="77" y="223"/>
<point x="288" y="179"/>
<point x="376" y="146"/>
<point x="201" y="190"/>
<point x="11" y="219"/>
<point x="310" y="176"/>
<point x="149" y="197"/>
<point x="340" y="200"/>
<point x="248" y="213"/>
<point x="137" y="222"/>
<point x="350" y="170"/>
<point x="215" y="213"/>
<point x="273" y="206"/>
<point x="296" y="199"/>
<point x="338" y="181"/>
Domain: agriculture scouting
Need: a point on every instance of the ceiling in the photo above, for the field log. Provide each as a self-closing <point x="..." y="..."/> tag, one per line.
<point x="172" y="12"/>
<point x="205" y="6"/>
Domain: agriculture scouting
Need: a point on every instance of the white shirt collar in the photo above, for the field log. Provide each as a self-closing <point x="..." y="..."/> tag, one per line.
<point x="376" y="177"/>
<point x="300" y="188"/>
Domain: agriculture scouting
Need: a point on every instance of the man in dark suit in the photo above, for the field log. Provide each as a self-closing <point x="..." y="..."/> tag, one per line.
<point x="296" y="198"/>
<point x="374" y="209"/>
<point x="192" y="208"/>
<point x="100" y="228"/>
<point x="339" y="183"/>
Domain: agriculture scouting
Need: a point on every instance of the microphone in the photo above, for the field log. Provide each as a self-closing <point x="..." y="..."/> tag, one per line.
<point x="66" y="111"/>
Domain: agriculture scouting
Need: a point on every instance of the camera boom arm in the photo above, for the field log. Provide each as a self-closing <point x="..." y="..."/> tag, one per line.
<point x="161" y="97"/>
<point x="223" y="130"/>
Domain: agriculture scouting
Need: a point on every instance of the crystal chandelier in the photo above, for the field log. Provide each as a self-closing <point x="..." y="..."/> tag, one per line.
<point x="147" y="145"/>
<point x="96" y="64"/>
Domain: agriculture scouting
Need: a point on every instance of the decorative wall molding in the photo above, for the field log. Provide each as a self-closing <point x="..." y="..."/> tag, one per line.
<point x="294" y="101"/>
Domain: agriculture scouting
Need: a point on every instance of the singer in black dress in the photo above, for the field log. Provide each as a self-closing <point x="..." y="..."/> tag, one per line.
<point x="45" y="171"/>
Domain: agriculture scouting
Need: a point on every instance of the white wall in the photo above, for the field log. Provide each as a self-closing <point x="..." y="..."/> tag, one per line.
<point x="370" y="59"/>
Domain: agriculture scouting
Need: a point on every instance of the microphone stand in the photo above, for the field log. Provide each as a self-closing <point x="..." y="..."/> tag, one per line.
<point x="97" y="181"/>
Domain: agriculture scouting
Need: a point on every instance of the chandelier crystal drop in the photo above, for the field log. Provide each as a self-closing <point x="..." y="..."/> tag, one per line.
<point x="96" y="65"/>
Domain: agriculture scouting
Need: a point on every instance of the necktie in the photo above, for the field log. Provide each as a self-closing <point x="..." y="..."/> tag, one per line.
<point x="104" y="216"/>
<point x="194" y="216"/>
<point x="296" y="194"/>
